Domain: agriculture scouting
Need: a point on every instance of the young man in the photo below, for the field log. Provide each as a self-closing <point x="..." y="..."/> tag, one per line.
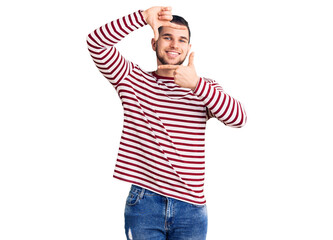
<point x="165" y="113"/>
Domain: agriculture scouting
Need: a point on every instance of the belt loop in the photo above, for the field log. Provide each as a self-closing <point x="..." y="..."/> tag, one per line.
<point x="142" y="192"/>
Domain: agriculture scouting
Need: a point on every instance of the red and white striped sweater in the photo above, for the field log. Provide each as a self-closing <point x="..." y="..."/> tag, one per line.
<point x="163" y="138"/>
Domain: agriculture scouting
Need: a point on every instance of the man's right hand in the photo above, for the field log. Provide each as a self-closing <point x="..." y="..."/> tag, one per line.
<point x="160" y="16"/>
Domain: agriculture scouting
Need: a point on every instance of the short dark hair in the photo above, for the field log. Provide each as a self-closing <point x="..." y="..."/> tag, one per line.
<point x="180" y="21"/>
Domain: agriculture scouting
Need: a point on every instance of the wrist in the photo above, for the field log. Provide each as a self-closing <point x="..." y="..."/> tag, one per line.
<point x="196" y="83"/>
<point x="197" y="86"/>
<point x="144" y="14"/>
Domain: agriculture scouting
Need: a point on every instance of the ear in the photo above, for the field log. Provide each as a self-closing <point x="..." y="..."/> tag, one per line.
<point x="153" y="44"/>
<point x="189" y="48"/>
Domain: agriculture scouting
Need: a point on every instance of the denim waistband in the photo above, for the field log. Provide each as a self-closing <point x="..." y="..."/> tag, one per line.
<point x="140" y="190"/>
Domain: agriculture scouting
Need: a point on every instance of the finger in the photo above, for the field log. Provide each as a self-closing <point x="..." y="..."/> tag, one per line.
<point x="166" y="8"/>
<point x="165" y="13"/>
<point x="165" y="17"/>
<point x="168" y="67"/>
<point x="156" y="34"/>
<point x="191" y="59"/>
<point x="176" y="26"/>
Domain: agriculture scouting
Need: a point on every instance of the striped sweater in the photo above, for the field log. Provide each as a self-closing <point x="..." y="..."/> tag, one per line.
<point x="162" y="146"/>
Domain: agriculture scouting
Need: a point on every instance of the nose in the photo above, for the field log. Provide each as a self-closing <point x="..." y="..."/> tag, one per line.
<point x="174" y="44"/>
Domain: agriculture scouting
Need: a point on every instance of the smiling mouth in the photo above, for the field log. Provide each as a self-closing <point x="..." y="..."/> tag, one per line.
<point x="172" y="53"/>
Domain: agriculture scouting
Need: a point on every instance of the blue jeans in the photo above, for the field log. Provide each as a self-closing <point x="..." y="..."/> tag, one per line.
<point x="150" y="216"/>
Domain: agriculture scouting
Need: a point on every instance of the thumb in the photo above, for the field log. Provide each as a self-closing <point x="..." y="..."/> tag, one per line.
<point x="156" y="34"/>
<point x="191" y="59"/>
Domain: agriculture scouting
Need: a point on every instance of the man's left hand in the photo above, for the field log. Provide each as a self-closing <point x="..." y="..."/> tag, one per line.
<point x="185" y="76"/>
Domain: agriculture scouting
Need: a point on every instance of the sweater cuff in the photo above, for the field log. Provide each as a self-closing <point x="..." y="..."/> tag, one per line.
<point x="141" y="16"/>
<point x="199" y="88"/>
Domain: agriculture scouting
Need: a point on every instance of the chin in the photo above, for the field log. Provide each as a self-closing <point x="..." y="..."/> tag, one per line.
<point x="167" y="61"/>
<point x="173" y="62"/>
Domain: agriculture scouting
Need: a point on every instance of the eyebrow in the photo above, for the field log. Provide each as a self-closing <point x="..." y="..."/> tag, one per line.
<point x="170" y="35"/>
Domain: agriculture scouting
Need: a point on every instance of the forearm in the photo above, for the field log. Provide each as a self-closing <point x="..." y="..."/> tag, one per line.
<point x="111" y="33"/>
<point x="224" y="107"/>
<point x="101" y="45"/>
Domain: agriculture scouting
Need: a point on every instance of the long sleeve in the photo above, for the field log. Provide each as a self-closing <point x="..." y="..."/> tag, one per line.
<point x="219" y="104"/>
<point x="101" y="46"/>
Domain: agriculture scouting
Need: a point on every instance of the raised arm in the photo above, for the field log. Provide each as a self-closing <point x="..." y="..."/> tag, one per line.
<point x="101" y="46"/>
<point x="219" y="104"/>
<point x="101" y="41"/>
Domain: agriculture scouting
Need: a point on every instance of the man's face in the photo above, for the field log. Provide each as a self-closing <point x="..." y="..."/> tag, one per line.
<point x="172" y="46"/>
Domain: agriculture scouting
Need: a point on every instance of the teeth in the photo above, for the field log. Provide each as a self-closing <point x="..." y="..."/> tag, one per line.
<point x="173" y="53"/>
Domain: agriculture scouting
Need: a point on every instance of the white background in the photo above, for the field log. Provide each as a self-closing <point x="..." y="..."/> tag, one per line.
<point x="61" y="121"/>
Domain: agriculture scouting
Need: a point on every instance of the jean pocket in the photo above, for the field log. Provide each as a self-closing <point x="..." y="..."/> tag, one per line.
<point x="132" y="198"/>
